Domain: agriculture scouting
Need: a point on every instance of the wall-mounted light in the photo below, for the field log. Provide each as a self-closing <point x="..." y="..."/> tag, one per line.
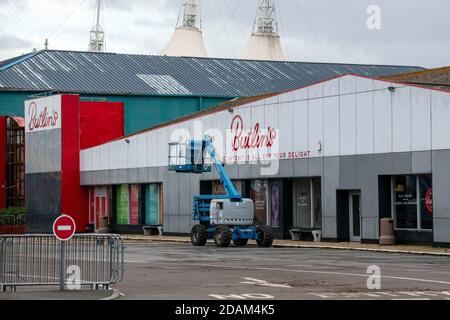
<point x="127" y="141"/>
<point x="319" y="146"/>
<point x="231" y="110"/>
<point x="391" y="89"/>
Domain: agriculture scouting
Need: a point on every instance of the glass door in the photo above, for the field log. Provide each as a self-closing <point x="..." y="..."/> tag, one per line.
<point x="355" y="216"/>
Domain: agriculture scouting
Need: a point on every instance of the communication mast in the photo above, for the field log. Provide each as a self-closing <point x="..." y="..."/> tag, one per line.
<point x="187" y="40"/>
<point x="265" y="43"/>
<point x="96" y="43"/>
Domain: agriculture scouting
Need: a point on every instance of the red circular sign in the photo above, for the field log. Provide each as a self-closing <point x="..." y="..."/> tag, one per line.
<point x="429" y="200"/>
<point x="64" y="227"/>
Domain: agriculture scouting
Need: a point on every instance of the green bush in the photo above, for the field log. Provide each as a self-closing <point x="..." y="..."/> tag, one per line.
<point x="12" y="211"/>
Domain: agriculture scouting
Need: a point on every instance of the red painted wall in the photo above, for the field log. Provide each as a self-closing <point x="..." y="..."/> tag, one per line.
<point x="84" y="125"/>
<point x="100" y="122"/>
<point x="2" y="162"/>
<point x="71" y="193"/>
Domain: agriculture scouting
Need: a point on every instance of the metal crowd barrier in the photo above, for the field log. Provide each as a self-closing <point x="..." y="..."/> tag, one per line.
<point x="94" y="260"/>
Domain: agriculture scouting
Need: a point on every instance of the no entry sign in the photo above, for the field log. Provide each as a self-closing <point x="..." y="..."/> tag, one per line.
<point x="64" y="227"/>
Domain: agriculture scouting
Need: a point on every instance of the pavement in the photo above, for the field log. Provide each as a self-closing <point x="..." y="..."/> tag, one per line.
<point x="49" y="294"/>
<point x="407" y="249"/>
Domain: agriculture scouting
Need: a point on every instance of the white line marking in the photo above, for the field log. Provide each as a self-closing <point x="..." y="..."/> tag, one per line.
<point x="321" y="272"/>
<point x="414" y="299"/>
<point x="264" y="283"/>
<point x="64" y="228"/>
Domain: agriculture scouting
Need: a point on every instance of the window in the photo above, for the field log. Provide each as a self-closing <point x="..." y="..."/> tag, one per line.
<point x="122" y="203"/>
<point x="274" y="203"/>
<point x="258" y="193"/>
<point x="307" y="203"/>
<point x="153" y="204"/>
<point x="138" y="204"/>
<point x="412" y="205"/>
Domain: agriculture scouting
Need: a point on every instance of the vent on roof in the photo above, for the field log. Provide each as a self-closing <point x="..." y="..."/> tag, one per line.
<point x="164" y="84"/>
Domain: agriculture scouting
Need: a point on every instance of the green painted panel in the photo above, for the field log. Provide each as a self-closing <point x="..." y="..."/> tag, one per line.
<point x="122" y="204"/>
<point x="152" y="204"/>
<point x="12" y="103"/>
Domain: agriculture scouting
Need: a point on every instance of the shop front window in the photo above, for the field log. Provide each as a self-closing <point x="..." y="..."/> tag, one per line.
<point x="307" y="203"/>
<point x="413" y="202"/>
<point x="153" y="204"/>
<point x="274" y="199"/>
<point x="258" y="193"/>
<point x="426" y="202"/>
<point x="122" y="204"/>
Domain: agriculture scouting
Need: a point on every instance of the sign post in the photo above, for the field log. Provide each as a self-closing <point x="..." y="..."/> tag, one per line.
<point x="63" y="228"/>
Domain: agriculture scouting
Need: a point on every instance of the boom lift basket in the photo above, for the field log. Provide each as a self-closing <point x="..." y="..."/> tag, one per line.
<point x="188" y="157"/>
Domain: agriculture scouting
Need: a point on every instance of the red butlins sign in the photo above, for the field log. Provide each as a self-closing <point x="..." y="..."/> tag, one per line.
<point x="64" y="228"/>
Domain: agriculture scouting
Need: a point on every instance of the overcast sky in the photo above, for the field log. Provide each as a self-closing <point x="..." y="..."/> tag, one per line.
<point x="413" y="32"/>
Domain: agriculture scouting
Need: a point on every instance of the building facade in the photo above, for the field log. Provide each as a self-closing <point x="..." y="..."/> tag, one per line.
<point x="338" y="156"/>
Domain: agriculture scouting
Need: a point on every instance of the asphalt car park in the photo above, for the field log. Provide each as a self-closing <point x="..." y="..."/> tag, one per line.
<point x="180" y="271"/>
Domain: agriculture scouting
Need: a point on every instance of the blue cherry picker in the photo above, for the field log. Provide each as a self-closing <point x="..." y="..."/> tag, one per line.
<point x="224" y="218"/>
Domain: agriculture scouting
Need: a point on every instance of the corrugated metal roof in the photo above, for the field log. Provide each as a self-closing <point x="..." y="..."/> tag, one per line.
<point x="124" y="74"/>
<point x="435" y="78"/>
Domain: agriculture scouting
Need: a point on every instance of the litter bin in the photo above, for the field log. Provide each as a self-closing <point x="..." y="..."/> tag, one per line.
<point x="317" y="234"/>
<point x="387" y="236"/>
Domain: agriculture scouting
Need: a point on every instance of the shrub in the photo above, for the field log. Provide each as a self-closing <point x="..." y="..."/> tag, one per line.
<point x="12" y="211"/>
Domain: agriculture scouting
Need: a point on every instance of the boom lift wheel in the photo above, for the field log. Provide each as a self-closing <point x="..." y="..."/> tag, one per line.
<point x="265" y="234"/>
<point x="222" y="236"/>
<point x="240" y="242"/>
<point x="199" y="235"/>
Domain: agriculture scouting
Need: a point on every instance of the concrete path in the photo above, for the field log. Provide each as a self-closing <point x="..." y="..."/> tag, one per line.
<point x="24" y="294"/>
<point x="409" y="249"/>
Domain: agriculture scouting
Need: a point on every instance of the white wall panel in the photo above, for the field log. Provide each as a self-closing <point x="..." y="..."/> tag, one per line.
<point x="315" y="116"/>
<point x="440" y="106"/>
<point x="382" y="118"/>
<point x="142" y="150"/>
<point x="364" y="122"/>
<point x="347" y="124"/>
<point x="331" y="143"/>
<point x="421" y="119"/>
<point x="114" y="155"/>
<point x="132" y="152"/>
<point x="163" y="147"/>
<point x="300" y="117"/>
<point x="347" y="85"/>
<point x="286" y="97"/>
<point x="123" y="154"/>
<point x="97" y="161"/>
<point x="153" y="148"/>
<point x="331" y="88"/>
<point x="104" y="157"/>
<point x="401" y="106"/>
<point x="286" y="127"/>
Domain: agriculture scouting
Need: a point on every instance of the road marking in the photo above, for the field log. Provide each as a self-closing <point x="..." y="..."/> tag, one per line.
<point x="400" y="295"/>
<point x="64" y="228"/>
<point x="414" y="299"/>
<point x="242" y="296"/>
<point x="321" y="272"/>
<point x="264" y="283"/>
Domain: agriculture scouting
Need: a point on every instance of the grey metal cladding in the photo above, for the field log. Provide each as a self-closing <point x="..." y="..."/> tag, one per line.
<point x="110" y="73"/>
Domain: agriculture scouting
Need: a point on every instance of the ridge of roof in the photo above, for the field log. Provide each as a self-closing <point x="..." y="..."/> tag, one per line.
<point x="6" y="64"/>
<point x="220" y="59"/>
